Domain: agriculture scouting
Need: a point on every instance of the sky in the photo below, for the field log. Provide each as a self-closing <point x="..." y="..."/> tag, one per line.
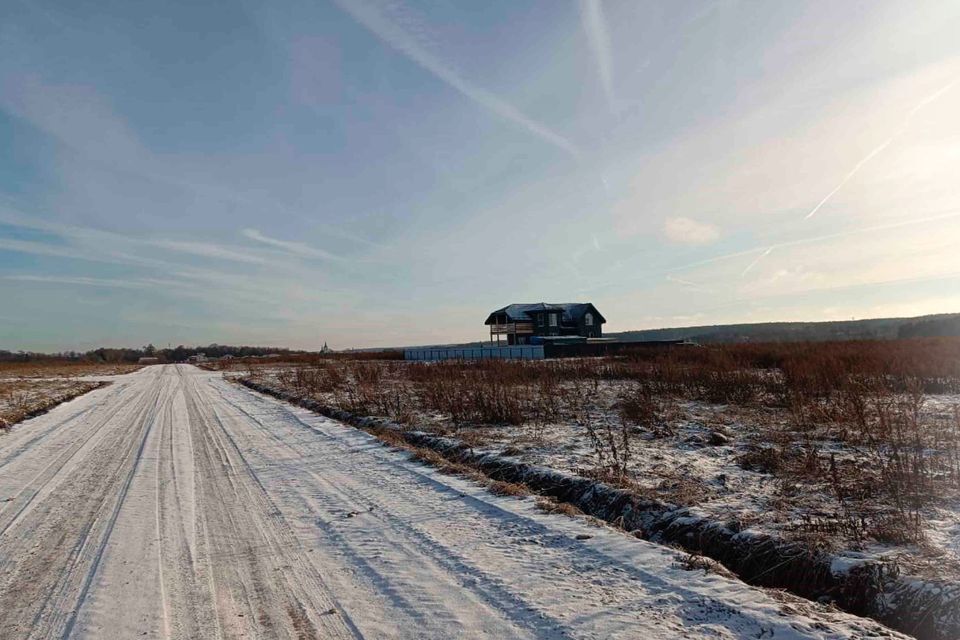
<point x="386" y="172"/>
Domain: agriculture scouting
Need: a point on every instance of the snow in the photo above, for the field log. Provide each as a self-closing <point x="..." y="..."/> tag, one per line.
<point x="843" y="564"/>
<point x="174" y="504"/>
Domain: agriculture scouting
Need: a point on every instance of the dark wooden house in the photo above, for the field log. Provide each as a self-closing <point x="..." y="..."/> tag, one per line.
<point x="522" y="323"/>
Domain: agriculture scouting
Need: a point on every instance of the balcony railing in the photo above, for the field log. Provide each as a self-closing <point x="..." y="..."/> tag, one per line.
<point x="512" y="327"/>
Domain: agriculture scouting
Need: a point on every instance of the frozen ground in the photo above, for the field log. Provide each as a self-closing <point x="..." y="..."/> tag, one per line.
<point x="173" y="504"/>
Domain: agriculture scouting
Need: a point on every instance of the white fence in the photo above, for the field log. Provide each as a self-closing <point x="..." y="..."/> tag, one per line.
<point x="522" y="352"/>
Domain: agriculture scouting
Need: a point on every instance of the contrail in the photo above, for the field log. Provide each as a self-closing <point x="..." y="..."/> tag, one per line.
<point x="295" y="248"/>
<point x="883" y="145"/>
<point x="687" y="283"/>
<point x="757" y="260"/>
<point x="943" y="215"/>
<point x="595" y="26"/>
<point x="393" y="35"/>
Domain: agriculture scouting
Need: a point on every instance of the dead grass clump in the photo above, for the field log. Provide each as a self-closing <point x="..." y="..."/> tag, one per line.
<point x="389" y="437"/>
<point x="473" y="437"/>
<point x="549" y="505"/>
<point x="683" y="491"/>
<point x="613" y="448"/>
<point x="442" y="464"/>
<point x="762" y="459"/>
<point x="500" y="488"/>
<point x="434" y="459"/>
<point x="495" y="403"/>
<point x="640" y="406"/>
<point x="897" y="528"/>
<point x="697" y="562"/>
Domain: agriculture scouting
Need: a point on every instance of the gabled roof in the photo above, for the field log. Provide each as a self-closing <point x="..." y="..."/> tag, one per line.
<point x="524" y="312"/>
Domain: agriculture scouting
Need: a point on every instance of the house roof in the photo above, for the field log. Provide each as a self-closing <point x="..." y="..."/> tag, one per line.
<point x="524" y="312"/>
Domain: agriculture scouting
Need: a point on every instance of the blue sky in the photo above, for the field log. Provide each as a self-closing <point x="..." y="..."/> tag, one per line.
<point x="384" y="172"/>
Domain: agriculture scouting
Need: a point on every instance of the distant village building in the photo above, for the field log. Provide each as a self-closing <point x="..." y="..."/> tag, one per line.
<point x="543" y="322"/>
<point x="148" y="360"/>
<point x="199" y="357"/>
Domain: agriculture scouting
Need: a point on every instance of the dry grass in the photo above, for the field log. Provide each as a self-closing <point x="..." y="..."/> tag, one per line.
<point x="696" y="562"/>
<point x="30" y="388"/>
<point x="549" y="505"/>
<point x="301" y="360"/>
<point x="517" y="490"/>
<point x="844" y="419"/>
<point x="24" y="398"/>
<point x="63" y="369"/>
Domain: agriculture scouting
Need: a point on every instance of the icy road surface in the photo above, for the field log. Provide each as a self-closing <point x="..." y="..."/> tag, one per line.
<point x="174" y="504"/>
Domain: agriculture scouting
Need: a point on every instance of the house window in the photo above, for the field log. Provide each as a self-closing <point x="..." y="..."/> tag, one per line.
<point x="553" y="319"/>
<point x="539" y="319"/>
<point x="588" y="319"/>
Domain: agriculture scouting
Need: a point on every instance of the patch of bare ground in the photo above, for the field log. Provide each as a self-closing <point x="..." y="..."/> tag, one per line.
<point x="849" y="446"/>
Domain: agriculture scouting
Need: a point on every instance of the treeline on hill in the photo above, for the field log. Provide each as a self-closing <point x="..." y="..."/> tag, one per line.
<point x="931" y="327"/>
<point x="175" y="354"/>
<point x="943" y="325"/>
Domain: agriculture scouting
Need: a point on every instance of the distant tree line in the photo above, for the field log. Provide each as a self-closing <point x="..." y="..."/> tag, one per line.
<point x="945" y="325"/>
<point x="935" y="327"/>
<point x="175" y="354"/>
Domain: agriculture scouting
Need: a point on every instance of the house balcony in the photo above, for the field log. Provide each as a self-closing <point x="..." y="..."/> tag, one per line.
<point x="512" y="328"/>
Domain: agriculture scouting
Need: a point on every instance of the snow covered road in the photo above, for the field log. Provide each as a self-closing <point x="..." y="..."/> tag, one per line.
<point x="174" y="504"/>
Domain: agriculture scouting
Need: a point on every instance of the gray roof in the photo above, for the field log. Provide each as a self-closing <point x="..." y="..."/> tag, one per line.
<point x="522" y="312"/>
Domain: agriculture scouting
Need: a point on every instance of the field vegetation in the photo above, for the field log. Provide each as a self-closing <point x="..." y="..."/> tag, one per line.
<point x="31" y="387"/>
<point x="25" y="398"/>
<point x="64" y="369"/>
<point x="852" y="445"/>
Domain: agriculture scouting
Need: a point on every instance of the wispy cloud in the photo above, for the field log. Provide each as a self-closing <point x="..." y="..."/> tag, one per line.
<point x="90" y="129"/>
<point x="207" y="250"/>
<point x="883" y="145"/>
<point x="276" y="281"/>
<point x="764" y="251"/>
<point x="682" y="230"/>
<point x="295" y="248"/>
<point x="54" y="251"/>
<point x="393" y="35"/>
<point x="595" y="26"/>
<point x="856" y="169"/>
<point x="686" y="283"/>
<point x="106" y="246"/>
<point x="138" y="283"/>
